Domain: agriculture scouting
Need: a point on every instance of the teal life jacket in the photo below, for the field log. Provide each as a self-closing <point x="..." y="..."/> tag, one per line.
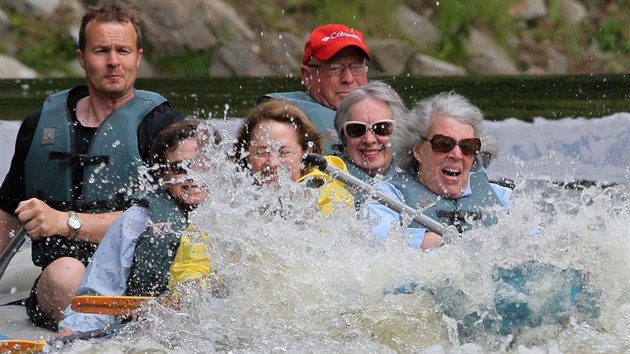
<point x="323" y="117"/>
<point x="110" y="167"/>
<point x="354" y="170"/>
<point x="461" y="212"/>
<point x="157" y="246"/>
<point x="358" y="172"/>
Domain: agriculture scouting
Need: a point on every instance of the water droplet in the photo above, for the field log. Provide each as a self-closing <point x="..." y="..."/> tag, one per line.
<point x="225" y="111"/>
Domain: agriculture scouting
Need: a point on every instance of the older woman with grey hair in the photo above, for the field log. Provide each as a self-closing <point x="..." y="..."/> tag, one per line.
<point x="364" y="122"/>
<point x="435" y="145"/>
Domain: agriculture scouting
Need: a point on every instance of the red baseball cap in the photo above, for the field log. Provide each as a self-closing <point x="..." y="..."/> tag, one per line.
<point x="327" y="40"/>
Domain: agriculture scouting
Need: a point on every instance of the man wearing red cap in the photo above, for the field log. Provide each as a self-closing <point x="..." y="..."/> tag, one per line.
<point x="335" y="62"/>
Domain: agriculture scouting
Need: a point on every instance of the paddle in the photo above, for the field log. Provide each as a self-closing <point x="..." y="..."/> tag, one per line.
<point x="36" y="346"/>
<point x="99" y="304"/>
<point x="22" y="346"/>
<point x="321" y="163"/>
<point x="11" y="249"/>
<point x="115" y="305"/>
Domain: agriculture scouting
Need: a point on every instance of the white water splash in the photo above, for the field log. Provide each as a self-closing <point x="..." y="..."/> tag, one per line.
<point x="303" y="282"/>
<point x="308" y="283"/>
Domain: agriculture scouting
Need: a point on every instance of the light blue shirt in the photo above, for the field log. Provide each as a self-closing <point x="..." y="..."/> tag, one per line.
<point x="384" y="218"/>
<point x="108" y="270"/>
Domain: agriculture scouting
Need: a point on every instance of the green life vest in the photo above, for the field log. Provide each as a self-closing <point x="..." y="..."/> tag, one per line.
<point x="157" y="246"/>
<point x="110" y="167"/>
<point x="461" y="212"/>
<point x="323" y="117"/>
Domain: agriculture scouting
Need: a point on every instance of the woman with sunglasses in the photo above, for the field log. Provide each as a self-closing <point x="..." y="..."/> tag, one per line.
<point x="151" y="248"/>
<point x="270" y="144"/>
<point x="364" y="122"/>
<point x="435" y="145"/>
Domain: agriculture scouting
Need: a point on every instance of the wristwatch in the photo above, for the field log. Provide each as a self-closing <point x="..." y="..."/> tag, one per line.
<point x="74" y="224"/>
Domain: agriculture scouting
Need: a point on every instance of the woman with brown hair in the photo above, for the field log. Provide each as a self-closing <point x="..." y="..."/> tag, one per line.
<point x="271" y="143"/>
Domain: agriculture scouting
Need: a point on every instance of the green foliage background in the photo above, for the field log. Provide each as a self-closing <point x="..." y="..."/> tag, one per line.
<point x="47" y="47"/>
<point x="44" y="46"/>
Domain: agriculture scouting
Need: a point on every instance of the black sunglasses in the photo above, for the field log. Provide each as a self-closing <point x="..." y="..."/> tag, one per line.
<point x="442" y="143"/>
<point x="354" y="129"/>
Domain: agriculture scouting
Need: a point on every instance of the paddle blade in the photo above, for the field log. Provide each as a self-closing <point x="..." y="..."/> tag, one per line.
<point x="22" y="346"/>
<point x="11" y="249"/>
<point x="108" y="305"/>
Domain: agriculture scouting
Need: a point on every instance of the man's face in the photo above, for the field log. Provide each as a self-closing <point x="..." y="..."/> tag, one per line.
<point x="110" y="58"/>
<point x="329" y="89"/>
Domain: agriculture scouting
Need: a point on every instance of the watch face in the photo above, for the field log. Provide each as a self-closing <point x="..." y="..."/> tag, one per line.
<point x="74" y="223"/>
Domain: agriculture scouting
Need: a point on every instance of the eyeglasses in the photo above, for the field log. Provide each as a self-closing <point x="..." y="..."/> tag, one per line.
<point x="265" y="153"/>
<point x="335" y="69"/>
<point x="354" y="129"/>
<point x="442" y="143"/>
<point x="184" y="166"/>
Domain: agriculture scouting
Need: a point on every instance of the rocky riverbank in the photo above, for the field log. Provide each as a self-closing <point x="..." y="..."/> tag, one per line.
<point x="214" y="38"/>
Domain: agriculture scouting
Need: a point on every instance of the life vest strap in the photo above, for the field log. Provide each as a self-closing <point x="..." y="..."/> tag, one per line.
<point x="120" y="202"/>
<point x="459" y="218"/>
<point x="71" y="159"/>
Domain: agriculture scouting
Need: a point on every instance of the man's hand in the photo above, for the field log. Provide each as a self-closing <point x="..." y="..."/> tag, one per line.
<point x="40" y="220"/>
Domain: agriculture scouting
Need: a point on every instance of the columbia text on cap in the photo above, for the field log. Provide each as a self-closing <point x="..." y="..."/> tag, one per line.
<point x="327" y="40"/>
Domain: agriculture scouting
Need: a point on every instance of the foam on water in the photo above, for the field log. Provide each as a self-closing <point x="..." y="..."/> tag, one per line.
<point x="564" y="150"/>
<point x="302" y="282"/>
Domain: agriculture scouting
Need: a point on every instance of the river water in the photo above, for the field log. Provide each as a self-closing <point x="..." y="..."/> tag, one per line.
<point x="308" y="283"/>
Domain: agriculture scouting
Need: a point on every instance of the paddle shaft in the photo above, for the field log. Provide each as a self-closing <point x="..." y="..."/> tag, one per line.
<point x="394" y="204"/>
<point x="95" y="333"/>
<point x="11" y="249"/>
